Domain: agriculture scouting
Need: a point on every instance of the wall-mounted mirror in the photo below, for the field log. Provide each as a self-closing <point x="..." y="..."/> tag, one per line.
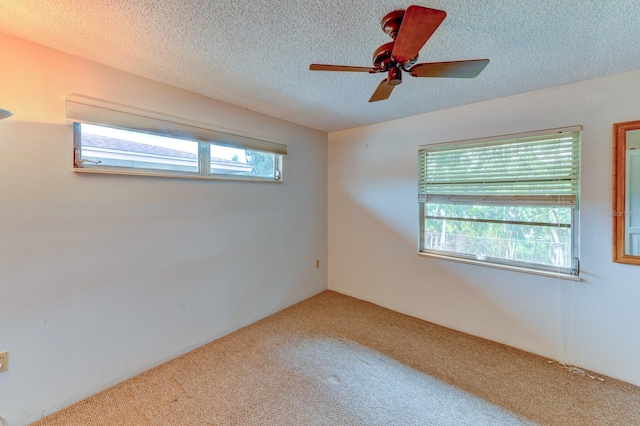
<point x="626" y="192"/>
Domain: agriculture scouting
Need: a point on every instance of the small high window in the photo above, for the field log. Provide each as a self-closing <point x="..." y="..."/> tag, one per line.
<point x="508" y="201"/>
<point x="114" y="139"/>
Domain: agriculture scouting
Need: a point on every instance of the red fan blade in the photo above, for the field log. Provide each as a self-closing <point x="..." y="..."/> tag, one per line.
<point x="418" y="24"/>
<point x="453" y="69"/>
<point x="382" y="92"/>
<point x="322" y="67"/>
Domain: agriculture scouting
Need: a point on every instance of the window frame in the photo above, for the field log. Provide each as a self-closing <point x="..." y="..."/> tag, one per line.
<point x="85" y="110"/>
<point x="572" y="273"/>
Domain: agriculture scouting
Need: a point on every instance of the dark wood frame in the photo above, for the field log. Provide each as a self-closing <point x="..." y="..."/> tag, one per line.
<point x="619" y="190"/>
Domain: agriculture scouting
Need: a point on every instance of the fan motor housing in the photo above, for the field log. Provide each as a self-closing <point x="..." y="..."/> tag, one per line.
<point x="383" y="60"/>
<point x="382" y="56"/>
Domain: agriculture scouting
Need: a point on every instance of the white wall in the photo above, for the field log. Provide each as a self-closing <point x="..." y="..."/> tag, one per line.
<point x="373" y="231"/>
<point x="103" y="276"/>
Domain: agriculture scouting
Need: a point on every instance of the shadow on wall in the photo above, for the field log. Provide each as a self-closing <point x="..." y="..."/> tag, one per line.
<point x="374" y="254"/>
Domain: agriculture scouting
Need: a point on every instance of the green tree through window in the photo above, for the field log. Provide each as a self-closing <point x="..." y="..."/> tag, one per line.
<point x="263" y="163"/>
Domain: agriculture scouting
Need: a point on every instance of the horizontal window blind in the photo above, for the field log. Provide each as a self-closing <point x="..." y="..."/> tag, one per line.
<point x="526" y="169"/>
<point x="83" y="109"/>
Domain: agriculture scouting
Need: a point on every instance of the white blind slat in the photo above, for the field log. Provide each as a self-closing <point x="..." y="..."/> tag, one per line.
<point x="496" y="200"/>
<point x="542" y="167"/>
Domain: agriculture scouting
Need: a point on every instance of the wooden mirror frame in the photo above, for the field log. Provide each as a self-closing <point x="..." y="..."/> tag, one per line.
<point x="619" y="191"/>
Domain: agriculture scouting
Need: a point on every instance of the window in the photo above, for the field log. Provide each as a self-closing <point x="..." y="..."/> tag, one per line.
<point x="510" y="201"/>
<point x="111" y="138"/>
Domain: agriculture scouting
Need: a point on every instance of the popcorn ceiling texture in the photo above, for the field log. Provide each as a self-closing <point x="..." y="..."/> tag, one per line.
<point x="256" y="54"/>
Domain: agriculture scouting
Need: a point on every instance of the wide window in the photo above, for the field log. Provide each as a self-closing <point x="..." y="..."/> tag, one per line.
<point x="111" y="138"/>
<point x="509" y="201"/>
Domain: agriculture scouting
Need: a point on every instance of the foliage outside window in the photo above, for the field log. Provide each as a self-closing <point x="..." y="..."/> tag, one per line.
<point x="508" y="201"/>
<point x="112" y="138"/>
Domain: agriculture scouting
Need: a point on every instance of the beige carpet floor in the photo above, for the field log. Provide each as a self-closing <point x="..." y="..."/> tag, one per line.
<point x="335" y="360"/>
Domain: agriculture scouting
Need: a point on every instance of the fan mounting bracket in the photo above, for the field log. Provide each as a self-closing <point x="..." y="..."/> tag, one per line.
<point x="391" y="23"/>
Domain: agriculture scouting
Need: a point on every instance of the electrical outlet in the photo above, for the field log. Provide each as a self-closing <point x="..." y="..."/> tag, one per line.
<point x="317" y="263"/>
<point x="4" y="361"/>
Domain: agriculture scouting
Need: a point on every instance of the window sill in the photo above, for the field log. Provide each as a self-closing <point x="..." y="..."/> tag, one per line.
<point x="551" y="274"/>
<point x="169" y="175"/>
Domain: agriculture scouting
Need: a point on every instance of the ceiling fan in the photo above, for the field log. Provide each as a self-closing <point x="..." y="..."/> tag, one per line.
<point x="409" y="30"/>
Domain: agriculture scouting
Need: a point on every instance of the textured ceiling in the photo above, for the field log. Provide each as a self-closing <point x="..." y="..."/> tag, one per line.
<point x="256" y="53"/>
